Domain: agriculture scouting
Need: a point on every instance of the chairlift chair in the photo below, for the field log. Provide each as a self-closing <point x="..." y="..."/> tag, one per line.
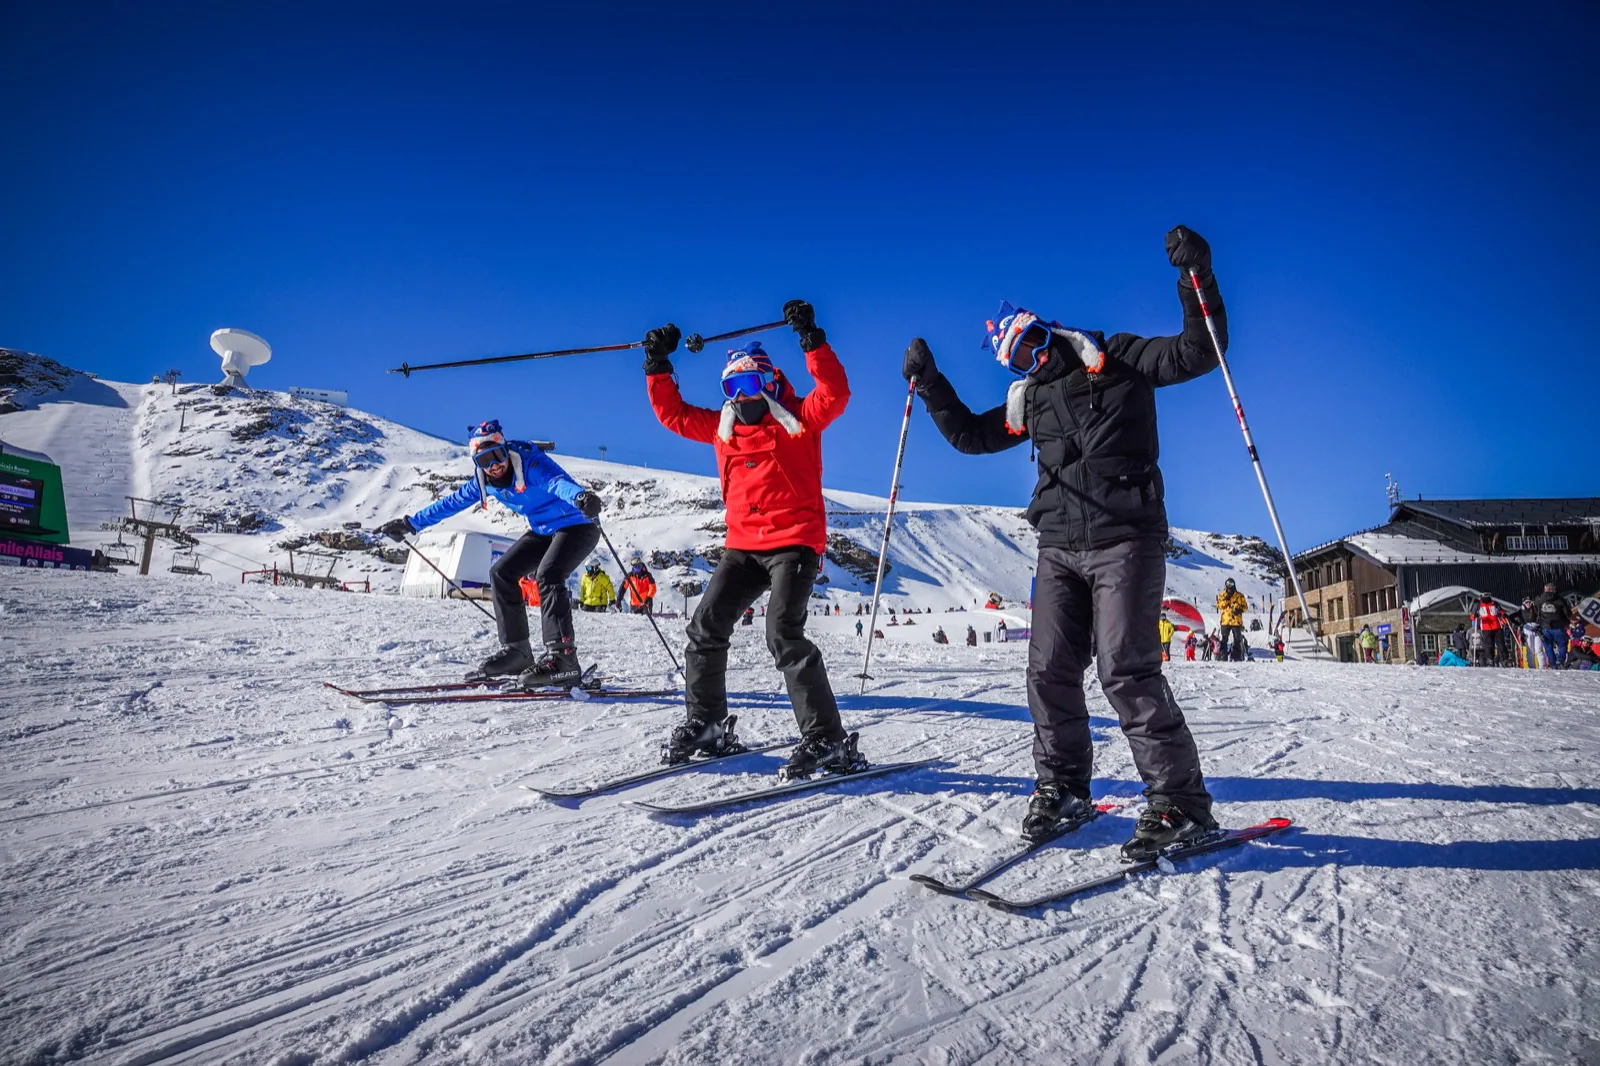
<point x="118" y="552"/>
<point x="187" y="561"/>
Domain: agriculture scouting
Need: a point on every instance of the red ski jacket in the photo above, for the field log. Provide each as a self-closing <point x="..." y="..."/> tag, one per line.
<point x="771" y="479"/>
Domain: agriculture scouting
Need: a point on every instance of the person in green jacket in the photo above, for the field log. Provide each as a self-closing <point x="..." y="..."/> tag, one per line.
<point x="594" y="591"/>
<point x="1369" y="644"/>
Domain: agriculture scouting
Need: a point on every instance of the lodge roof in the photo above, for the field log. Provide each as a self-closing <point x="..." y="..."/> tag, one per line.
<point x="1475" y="514"/>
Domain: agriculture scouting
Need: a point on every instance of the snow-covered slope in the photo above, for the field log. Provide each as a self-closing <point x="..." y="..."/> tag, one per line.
<point x="257" y="472"/>
<point x="208" y="858"/>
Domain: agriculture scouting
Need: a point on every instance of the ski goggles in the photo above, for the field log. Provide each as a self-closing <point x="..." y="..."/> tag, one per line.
<point x="1020" y="341"/>
<point x="493" y="455"/>
<point x="750" y="383"/>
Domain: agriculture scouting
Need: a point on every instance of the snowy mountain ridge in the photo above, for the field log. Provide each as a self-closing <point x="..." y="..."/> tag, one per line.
<point x="256" y="473"/>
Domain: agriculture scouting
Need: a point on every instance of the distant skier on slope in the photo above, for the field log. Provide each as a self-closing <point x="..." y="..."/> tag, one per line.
<point x="594" y="591"/>
<point x="768" y="444"/>
<point x="638" y="592"/>
<point x="1087" y="404"/>
<point x="560" y="535"/>
<point x="1231" y="605"/>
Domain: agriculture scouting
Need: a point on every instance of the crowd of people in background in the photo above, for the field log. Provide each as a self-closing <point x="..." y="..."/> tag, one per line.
<point x="1543" y="633"/>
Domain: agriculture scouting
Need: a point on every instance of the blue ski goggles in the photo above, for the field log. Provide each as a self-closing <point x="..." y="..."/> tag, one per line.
<point x="493" y="455"/>
<point x="750" y="383"/>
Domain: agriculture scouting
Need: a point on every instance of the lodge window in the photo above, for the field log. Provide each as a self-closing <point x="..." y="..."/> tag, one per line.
<point x="1428" y="641"/>
<point x="1381" y="600"/>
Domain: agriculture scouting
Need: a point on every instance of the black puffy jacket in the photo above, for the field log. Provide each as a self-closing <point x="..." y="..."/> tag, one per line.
<point x="1550" y="610"/>
<point x="1095" y="435"/>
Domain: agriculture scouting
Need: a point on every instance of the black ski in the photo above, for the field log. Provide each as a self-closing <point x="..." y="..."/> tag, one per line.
<point x="375" y="695"/>
<point x="1215" y="842"/>
<point x="501" y="696"/>
<point x="761" y="795"/>
<point x="652" y="775"/>
<point x="989" y="873"/>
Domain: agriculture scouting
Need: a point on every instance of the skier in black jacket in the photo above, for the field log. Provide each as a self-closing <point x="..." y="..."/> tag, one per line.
<point x="1087" y="404"/>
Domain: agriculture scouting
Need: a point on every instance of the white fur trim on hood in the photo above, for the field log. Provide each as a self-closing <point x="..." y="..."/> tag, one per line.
<point x="1094" y="360"/>
<point x="1089" y="353"/>
<point x="519" y="480"/>
<point x="780" y="413"/>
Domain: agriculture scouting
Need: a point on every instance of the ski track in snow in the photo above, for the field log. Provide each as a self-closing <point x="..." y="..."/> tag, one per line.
<point x="210" y="858"/>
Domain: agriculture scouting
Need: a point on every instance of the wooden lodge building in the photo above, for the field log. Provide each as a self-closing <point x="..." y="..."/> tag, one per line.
<point x="1415" y="578"/>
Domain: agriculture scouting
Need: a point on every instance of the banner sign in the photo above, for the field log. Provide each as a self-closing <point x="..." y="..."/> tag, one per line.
<point x="31" y="501"/>
<point x="14" y="551"/>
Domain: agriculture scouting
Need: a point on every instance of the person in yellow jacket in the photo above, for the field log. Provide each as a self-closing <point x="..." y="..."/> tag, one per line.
<point x="594" y="591"/>
<point x="1231" y="604"/>
<point x="1166" y="629"/>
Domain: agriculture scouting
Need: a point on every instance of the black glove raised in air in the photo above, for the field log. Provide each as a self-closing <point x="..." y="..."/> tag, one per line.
<point x="658" y="345"/>
<point x="590" y="504"/>
<point x="397" y="530"/>
<point x="919" y="364"/>
<point x="1186" y="248"/>
<point x="802" y="318"/>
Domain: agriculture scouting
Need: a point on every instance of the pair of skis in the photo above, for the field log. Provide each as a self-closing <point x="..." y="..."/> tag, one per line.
<point x="1212" y="842"/>
<point x="727" y="802"/>
<point x="492" y="690"/>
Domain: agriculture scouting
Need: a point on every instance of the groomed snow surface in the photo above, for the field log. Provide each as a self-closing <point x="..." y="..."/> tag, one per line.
<point x="210" y="858"/>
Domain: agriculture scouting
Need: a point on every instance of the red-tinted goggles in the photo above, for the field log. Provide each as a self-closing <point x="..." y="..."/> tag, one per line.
<point x="747" y="383"/>
<point x="1025" y="351"/>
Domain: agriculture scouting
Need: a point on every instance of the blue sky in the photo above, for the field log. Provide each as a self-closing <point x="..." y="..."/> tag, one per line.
<point x="1400" y="199"/>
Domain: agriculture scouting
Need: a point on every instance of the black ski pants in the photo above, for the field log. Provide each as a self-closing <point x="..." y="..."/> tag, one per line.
<point x="1111" y="596"/>
<point x="1231" y="649"/>
<point x="551" y="559"/>
<point x="740" y="579"/>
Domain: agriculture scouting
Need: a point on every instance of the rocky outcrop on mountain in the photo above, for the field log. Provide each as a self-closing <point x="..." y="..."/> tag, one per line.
<point x="26" y="377"/>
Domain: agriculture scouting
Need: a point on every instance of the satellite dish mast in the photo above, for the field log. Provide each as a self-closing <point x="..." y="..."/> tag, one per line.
<point x="240" y="350"/>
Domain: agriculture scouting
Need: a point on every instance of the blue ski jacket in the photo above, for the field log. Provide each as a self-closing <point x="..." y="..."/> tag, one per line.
<point x="540" y="491"/>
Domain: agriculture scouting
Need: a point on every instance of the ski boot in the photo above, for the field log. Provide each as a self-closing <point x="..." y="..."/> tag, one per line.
<point x="507" y="662"/>
<point x="830" y="756"/>
<point x="1052" y="811"/>
<point x="1162" y="826"/>
<point x="696" y="736"/>
<point x="557" y="668"/>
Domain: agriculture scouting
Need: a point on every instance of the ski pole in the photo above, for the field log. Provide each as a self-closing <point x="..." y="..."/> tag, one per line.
<point x="1255" y="459"/>
<point x="459" y="590"/>
<point x="888" y="523"/>
<point x="648" y="614"/>
<point x="694" y="343"/>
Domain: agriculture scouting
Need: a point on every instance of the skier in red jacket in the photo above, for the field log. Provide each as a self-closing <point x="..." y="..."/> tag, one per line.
<point x="768" y="444"/>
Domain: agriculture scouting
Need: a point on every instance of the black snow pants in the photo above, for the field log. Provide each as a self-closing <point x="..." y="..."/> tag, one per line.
<point x="1112" y="596"/>
<point x="551" y="559"/>
<point x="1231" y="649"/>
<point x="740" y="579"/>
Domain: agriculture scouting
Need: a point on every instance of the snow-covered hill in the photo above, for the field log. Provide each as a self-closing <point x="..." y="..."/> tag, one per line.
<point x="208" y="858"/>
<point x="256" y="473"/>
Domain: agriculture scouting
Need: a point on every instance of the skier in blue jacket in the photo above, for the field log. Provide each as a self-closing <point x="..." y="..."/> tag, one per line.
<point x="561" y="535"/>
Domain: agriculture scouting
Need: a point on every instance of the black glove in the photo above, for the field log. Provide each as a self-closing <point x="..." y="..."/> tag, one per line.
<point x="1186" y="248"/>
<point x="398" y="530"/>
<point x="590" y="504"/>
<point x="658" y="344"/>
<point x="919" y="364"/>
<point x="803" y="320"/>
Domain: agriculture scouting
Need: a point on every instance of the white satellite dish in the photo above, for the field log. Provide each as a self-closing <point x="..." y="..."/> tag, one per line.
<point x="240" y="350"/>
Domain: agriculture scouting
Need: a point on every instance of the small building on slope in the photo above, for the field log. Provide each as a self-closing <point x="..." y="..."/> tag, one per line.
<point x="1413" y="578"/>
